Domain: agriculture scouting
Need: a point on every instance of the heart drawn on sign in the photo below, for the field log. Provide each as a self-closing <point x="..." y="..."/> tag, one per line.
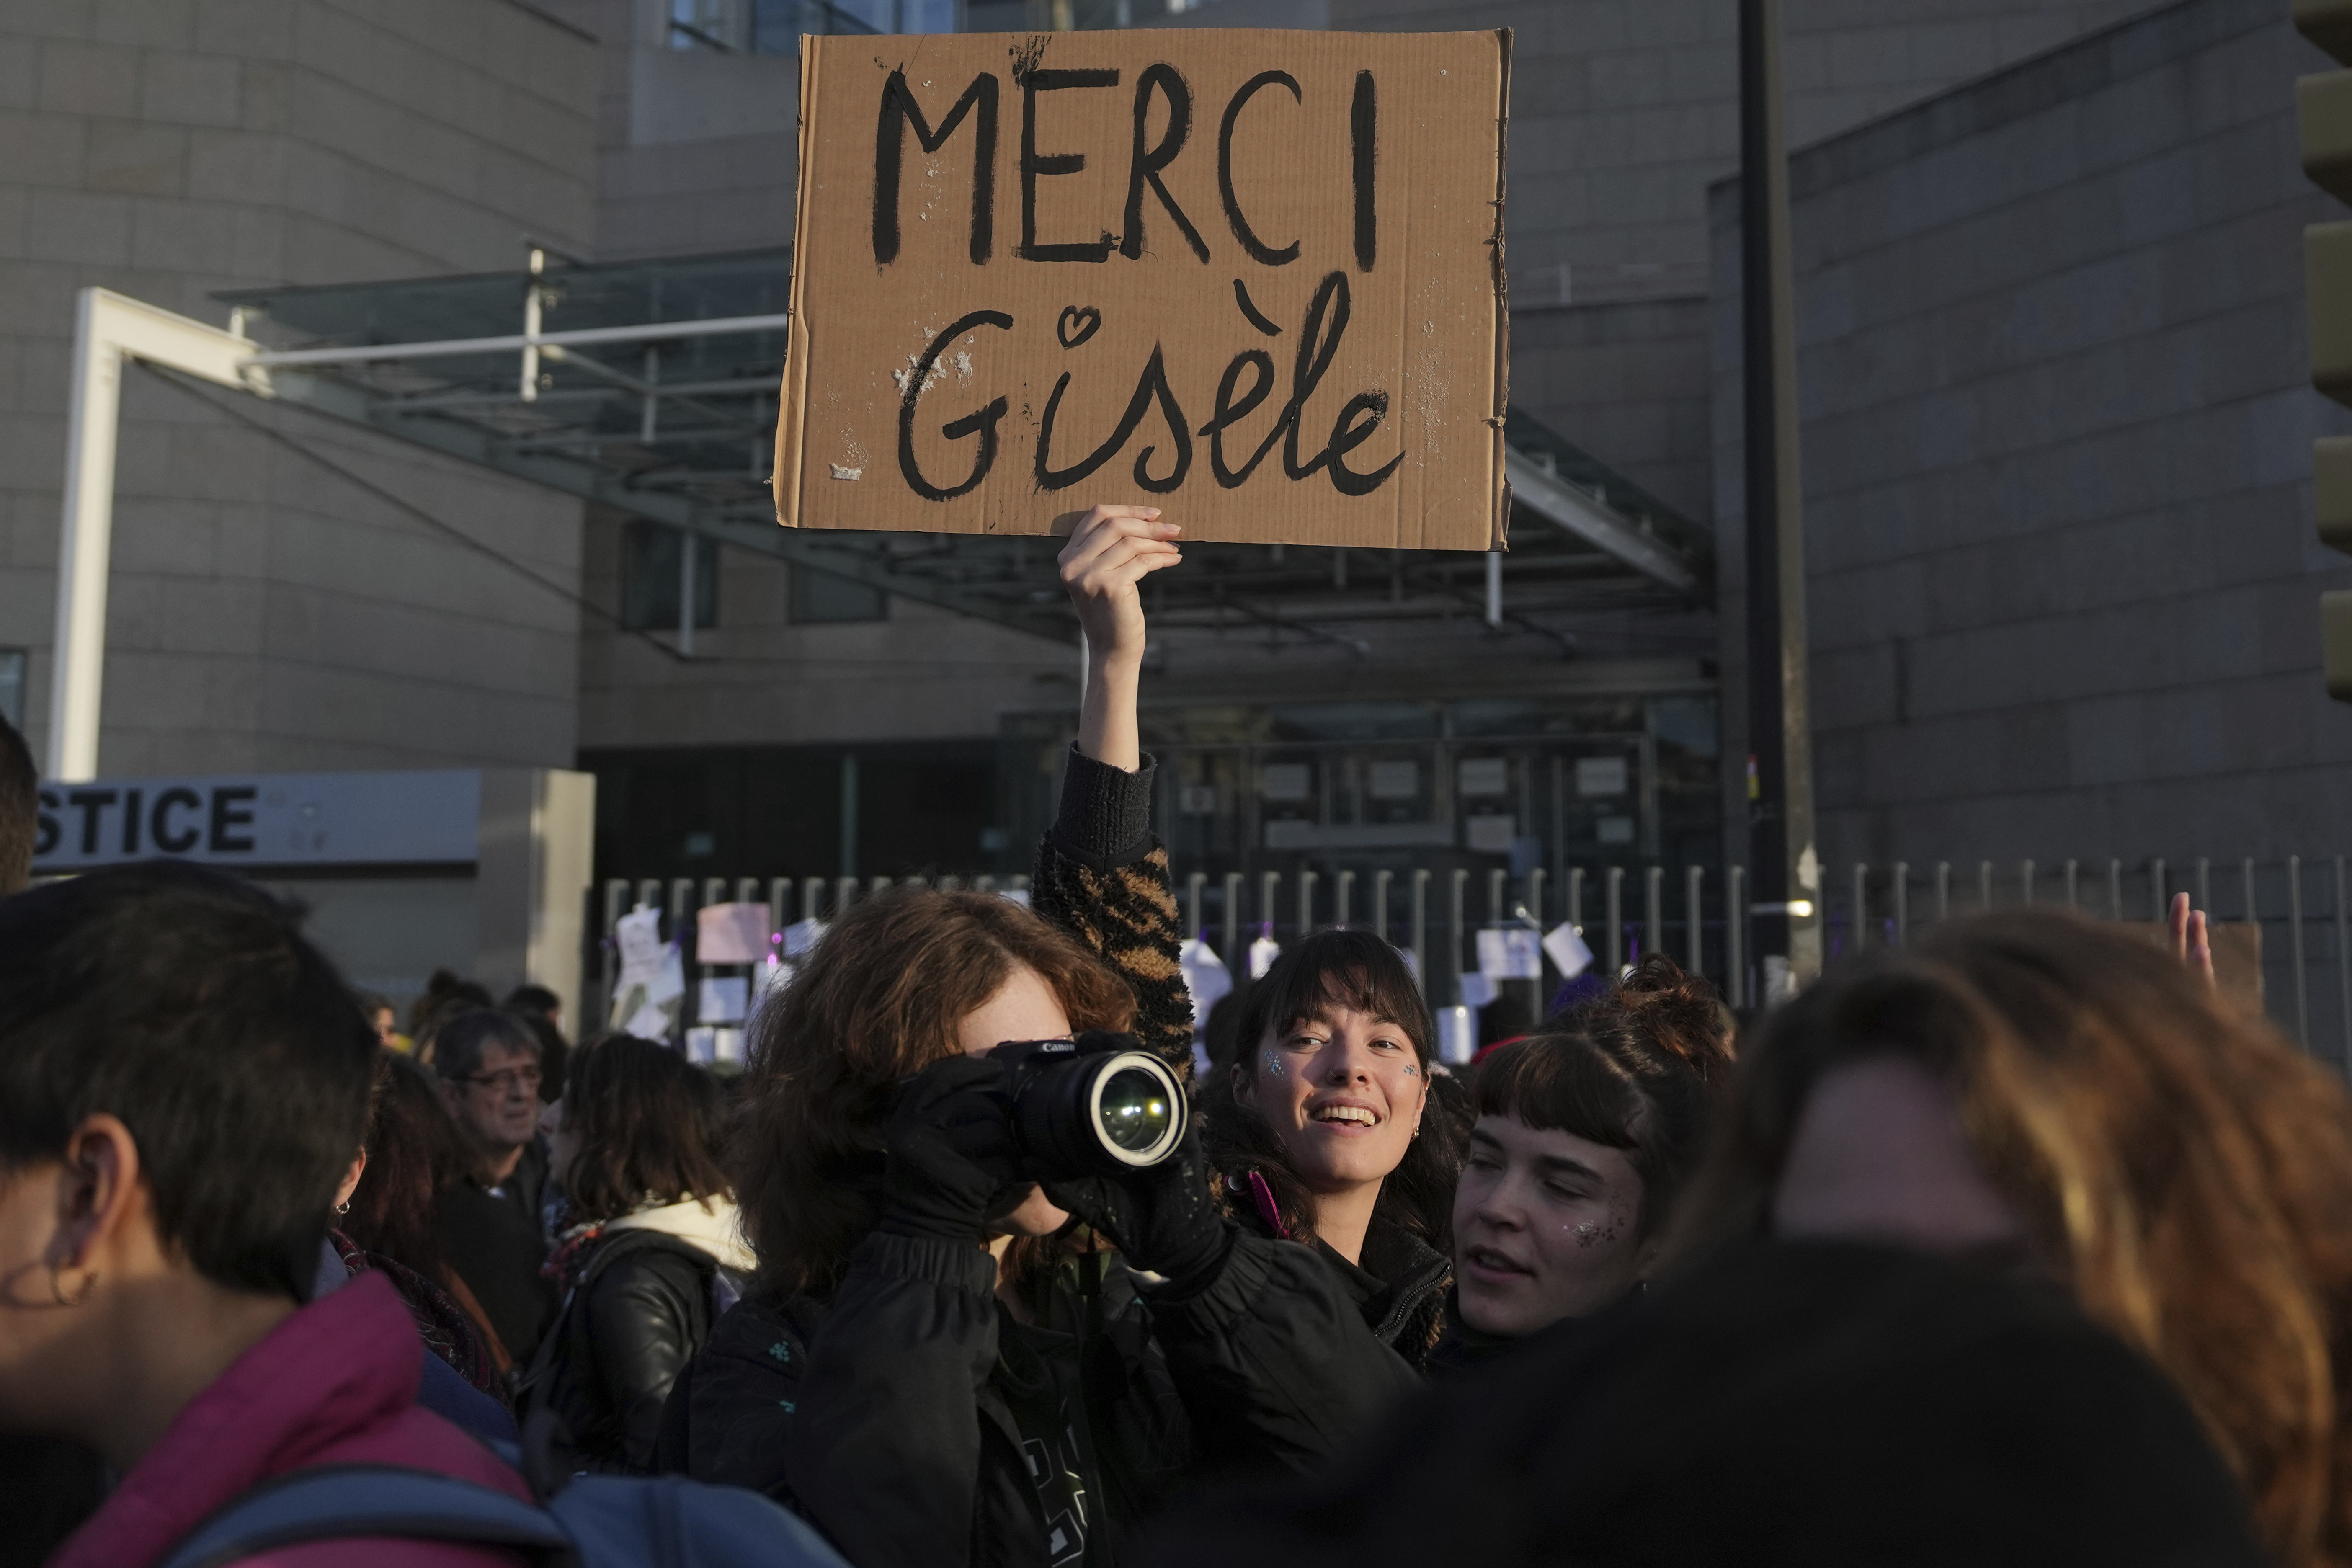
<point x="1077" y="324"/>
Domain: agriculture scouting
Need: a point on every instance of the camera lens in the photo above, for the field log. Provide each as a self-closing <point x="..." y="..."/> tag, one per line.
<point x="1135" y="1109"/>
<point x="1092" y="1111"/>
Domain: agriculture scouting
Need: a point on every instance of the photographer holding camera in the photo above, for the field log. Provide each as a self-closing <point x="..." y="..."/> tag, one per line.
<point x="951" y="1118"/>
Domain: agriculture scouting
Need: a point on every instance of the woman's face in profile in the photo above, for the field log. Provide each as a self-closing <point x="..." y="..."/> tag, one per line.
<point x="1879" y="1154"/>
<point x="1546" y="1225"/>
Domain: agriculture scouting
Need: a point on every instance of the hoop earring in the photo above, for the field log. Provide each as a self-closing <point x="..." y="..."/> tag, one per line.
<point x="89" y="1283"/>
<point x="344" y="1207"/>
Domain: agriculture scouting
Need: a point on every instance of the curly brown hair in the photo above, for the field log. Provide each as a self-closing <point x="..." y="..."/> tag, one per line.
<point x="2178" y="1165"/>
<point x="879" y="1000"/>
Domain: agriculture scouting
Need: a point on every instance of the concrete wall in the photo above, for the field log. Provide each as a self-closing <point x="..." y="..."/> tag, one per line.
<point x="1626" y="382"/>
<point x="696" y="151"/>
<point x="1621" y="112"/>
<point x="2057" y="458"/>
<point x="265" y="614"/>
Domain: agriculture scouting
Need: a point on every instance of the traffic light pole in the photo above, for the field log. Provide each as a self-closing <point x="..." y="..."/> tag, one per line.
<point x="2324" y="111"/>
<point x="1785" y="869"/>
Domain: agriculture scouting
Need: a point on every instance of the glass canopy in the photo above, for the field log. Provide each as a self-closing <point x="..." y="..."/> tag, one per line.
<point x="651" y="389"/>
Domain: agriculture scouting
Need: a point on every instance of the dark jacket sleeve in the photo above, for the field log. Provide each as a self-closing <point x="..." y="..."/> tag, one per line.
<point x="731" y="1408"/>
<point x="884" y="1451"/>
<point x="1274" y="1362"/>
<point x="1102" y="876"/>
<point x="646" y="1314"/>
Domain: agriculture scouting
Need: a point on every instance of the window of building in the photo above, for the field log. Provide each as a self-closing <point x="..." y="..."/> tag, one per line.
<point x="727" y="25"/>
<point x="653" y="566"/>
<point x="774" y="26"/>
<point x="822" y="598"/>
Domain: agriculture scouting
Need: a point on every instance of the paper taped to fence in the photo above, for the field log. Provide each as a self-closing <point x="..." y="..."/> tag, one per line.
<point x="1252" y="277"/>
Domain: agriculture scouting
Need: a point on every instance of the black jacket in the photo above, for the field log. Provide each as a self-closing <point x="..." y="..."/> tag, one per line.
<point x="921" y="1425"/>
<point x="1814" y="1403"/>
<point x="494" y="1244"/>
<point x="642" y="1309"/>
<point x="1462" y="1348"/>
<point x="1399" y="1286"/>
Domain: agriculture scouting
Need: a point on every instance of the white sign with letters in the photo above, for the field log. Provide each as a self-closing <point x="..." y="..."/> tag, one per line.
<point x="263" y="819"/>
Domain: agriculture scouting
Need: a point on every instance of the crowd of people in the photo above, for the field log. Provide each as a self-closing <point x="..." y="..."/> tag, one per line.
<point x="2016" y="1242"/>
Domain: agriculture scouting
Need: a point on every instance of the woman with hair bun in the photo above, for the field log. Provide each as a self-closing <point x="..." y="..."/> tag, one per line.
<point x="1586" y="1132"/>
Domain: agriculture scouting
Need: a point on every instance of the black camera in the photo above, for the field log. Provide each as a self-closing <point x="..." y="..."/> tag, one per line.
<point x="1096" y="1106"/>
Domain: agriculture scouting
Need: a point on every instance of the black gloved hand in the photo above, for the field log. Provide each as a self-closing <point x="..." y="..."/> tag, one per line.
<point x="952" y="1151"/>
<point x="1161" y="1216"/>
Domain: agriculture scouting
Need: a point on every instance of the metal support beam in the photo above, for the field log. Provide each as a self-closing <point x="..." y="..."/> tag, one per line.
<point x="108" y="329"/>
<point x="759" y="533"/>
<point x="448" y="348"/>
<point x="1555" y="499"/>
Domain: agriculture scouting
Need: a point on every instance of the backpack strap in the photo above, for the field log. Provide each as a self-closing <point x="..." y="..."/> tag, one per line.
<point x="338" y="1502"/>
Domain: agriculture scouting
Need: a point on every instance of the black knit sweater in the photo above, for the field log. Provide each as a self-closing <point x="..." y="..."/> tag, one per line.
<point x="1102" y="876"/>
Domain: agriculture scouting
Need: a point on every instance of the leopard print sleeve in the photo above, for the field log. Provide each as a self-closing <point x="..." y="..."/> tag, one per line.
<point x="1102" y="876"/>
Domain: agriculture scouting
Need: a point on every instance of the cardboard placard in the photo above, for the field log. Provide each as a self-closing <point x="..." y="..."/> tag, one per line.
<point x="1252" y="278"/>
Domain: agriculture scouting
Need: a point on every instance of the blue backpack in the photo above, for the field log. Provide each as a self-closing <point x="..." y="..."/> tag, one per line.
<point x="596" y="1522"/>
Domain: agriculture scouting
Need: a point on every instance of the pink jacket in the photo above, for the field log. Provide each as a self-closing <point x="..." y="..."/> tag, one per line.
<point x="333" y="1384"/>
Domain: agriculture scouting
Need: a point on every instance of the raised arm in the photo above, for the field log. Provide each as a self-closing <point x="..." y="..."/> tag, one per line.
<point x="1111" y="551"/>
<point x="1101" y="874"/>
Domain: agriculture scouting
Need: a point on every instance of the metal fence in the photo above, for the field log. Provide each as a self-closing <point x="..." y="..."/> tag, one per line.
<point x="1698" y="916"/>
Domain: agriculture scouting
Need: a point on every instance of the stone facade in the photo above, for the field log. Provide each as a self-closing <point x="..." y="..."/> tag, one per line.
<point x="1621" y="112"/>
<point x="2057" y="427"/>
<point x="265" y="614"/>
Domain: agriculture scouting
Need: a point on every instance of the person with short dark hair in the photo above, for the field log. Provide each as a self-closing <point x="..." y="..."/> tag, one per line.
<point x="20" y="809"/>
<point x="446" y="993"/>
<point x="47" y="1485"/>
<point x="1586" y="1132"/>
<point x="532" y="997"/>
<point x="650" y="1253"/>
<point x="491" y="1226"/>
<point x="554" y="1052"/>
<point x="184" y="1084"/>
<point x="541" y="1011"/>
<point x="385" y="1019"/>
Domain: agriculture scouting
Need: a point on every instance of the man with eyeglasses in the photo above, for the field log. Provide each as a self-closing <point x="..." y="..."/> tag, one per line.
<point x="490" y="1069"/>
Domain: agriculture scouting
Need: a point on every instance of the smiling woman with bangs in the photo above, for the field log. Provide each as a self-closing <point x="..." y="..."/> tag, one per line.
<point x="1325" y="1131"/>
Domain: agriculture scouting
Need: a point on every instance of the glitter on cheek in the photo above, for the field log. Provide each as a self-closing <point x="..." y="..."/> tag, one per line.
<point x="1271" y="1061"/>
<point x="1587" y="1234"/>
